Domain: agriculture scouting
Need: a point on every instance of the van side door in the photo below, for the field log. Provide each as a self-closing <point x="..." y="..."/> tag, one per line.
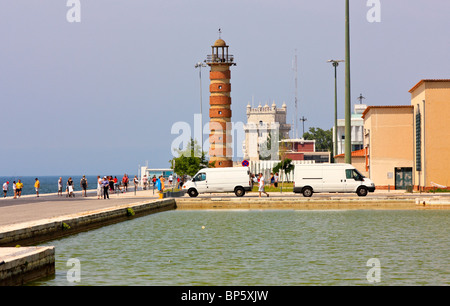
<point x="200" y="182"/>
<point x="352" y="180"/>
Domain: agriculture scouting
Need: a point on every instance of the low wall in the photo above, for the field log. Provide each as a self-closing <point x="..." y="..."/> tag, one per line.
<point x="21" y="265"/>
<point x="294" y="203"/>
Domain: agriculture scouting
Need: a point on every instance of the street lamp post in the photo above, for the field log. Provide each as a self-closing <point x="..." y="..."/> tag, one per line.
<point x="348" y="136"/>
<point x="335" y="64"/>
<point x="200" y="65"/>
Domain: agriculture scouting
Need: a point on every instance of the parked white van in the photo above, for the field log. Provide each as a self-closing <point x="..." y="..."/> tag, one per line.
<point x="316" y="178"/>
<point x="212" y="180"/>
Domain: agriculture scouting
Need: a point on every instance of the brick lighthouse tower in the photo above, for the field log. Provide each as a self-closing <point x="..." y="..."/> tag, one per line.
<point x="220" y="141"/>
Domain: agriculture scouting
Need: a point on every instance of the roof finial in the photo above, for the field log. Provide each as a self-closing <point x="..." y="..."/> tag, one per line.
<point x="220" y="32"/>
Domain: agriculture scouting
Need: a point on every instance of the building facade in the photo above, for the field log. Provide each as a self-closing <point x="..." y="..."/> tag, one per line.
<point x="409" y="145"/>
<point x="303" y="149"/>
<point x="431" y="159"/>
<point x="388" y="146"/>
<point x="263" y="123"/>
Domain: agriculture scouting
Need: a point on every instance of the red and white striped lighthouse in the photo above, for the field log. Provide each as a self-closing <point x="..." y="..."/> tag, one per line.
<point x="220" y="140"/>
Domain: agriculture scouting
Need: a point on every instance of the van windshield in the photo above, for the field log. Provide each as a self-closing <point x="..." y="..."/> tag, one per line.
<point x="200" y="177"/>
<point x="354" y="174"/>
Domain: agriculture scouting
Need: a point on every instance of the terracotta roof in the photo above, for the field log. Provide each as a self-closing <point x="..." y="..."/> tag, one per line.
<point x="220" y="43"/>
<point x="357" y="153"/>
<point x="427" y="80"/>
<point x="385" y="106"/>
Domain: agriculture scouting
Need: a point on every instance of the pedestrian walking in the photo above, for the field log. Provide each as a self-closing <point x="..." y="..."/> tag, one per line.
<point x="170" y="179"/>
<point x="111" y="184"/>
<point x="99" y="187"/>
<point x="37" y="185"/>
<point x="272" y="179"/>
<point x="276" y="177"/>
<point x="105" y="184"/>
<point x="69" y="188"/>
<point x="136" y="183"/>
<point x="261" y="185"/>
<point x="125" y="182"/>
<point x="15" y="189"/>
<point x="116" y="184"/>
<point x="5" y="188"/>
<point x="145" y="182"/>
<point x="19" y="186"/>
<point x="60" y="186"/>
<point x="84" y="185"/>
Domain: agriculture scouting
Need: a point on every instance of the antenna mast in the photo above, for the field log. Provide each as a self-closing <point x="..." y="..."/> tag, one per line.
<point x="296" y="92"/>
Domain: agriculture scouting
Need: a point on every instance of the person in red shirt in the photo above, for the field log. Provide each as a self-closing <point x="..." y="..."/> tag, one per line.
<point x="125" y="182"/>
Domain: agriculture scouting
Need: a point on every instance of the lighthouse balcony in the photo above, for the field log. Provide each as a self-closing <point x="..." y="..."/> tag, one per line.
<point x="225" y="58"/>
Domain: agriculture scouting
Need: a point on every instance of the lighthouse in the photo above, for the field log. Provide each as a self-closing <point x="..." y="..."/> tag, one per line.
<point x="220" y="150"/>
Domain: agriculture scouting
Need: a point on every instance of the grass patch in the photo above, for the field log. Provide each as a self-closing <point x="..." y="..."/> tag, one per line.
<point x="287" y="187"/>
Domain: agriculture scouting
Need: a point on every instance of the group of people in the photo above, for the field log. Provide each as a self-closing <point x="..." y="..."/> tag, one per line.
<point x="108" y="184"/>
<point x="70" y="188"/>
<point x="17" y="188"/>
<point x="104" y="186"/>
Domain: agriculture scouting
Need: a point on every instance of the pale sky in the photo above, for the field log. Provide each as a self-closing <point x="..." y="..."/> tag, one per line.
<point x="100" y="96"/>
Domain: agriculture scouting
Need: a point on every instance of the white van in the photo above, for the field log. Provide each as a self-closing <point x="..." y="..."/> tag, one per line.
<point x="212" y="180"/>
<point x="316" y="178"/>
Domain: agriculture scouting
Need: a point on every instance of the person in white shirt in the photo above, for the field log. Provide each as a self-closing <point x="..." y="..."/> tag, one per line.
<point x="99" y="187"/>
<point x="145" y="182"/>
<point x="261" y="185"/>
<point x="5" y="189"/>
<point x="60" y="186"/>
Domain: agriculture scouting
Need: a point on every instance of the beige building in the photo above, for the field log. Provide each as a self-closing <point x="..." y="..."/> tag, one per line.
<point x="388" y="145"/>
<point x="431" y="102"/>
<point x="408" y="145"/>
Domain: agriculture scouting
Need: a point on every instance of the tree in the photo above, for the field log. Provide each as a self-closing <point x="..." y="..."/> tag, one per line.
<point x="323" y="138"/>
<point x="285" y="166"/>
<point x="188" y="162"/>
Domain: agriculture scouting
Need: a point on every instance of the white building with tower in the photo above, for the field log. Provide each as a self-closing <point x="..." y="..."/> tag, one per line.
<point x="263" y="121"/>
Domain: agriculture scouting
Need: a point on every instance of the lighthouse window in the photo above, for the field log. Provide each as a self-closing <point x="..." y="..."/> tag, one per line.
<point x="220" y="86"/>
<point x="220" y="112"/>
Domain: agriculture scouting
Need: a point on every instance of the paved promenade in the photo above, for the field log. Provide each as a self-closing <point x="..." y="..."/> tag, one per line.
<point x="31" y="208"/>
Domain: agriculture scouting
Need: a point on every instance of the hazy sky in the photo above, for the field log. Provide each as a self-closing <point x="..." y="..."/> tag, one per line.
<point x="100" y="96"/>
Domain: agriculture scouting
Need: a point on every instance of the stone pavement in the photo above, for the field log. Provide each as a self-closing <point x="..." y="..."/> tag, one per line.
<point x="31" y="208"/>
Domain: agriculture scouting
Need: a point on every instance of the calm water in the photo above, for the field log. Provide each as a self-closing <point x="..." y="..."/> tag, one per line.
<point x="262" y="248"/>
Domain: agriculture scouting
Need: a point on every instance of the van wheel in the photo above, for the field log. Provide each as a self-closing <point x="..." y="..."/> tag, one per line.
<point x="239" y="191"/>
<point x="307" y="192"/>
<point x="192" y="193"/>
<point x="362" y="191"/>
